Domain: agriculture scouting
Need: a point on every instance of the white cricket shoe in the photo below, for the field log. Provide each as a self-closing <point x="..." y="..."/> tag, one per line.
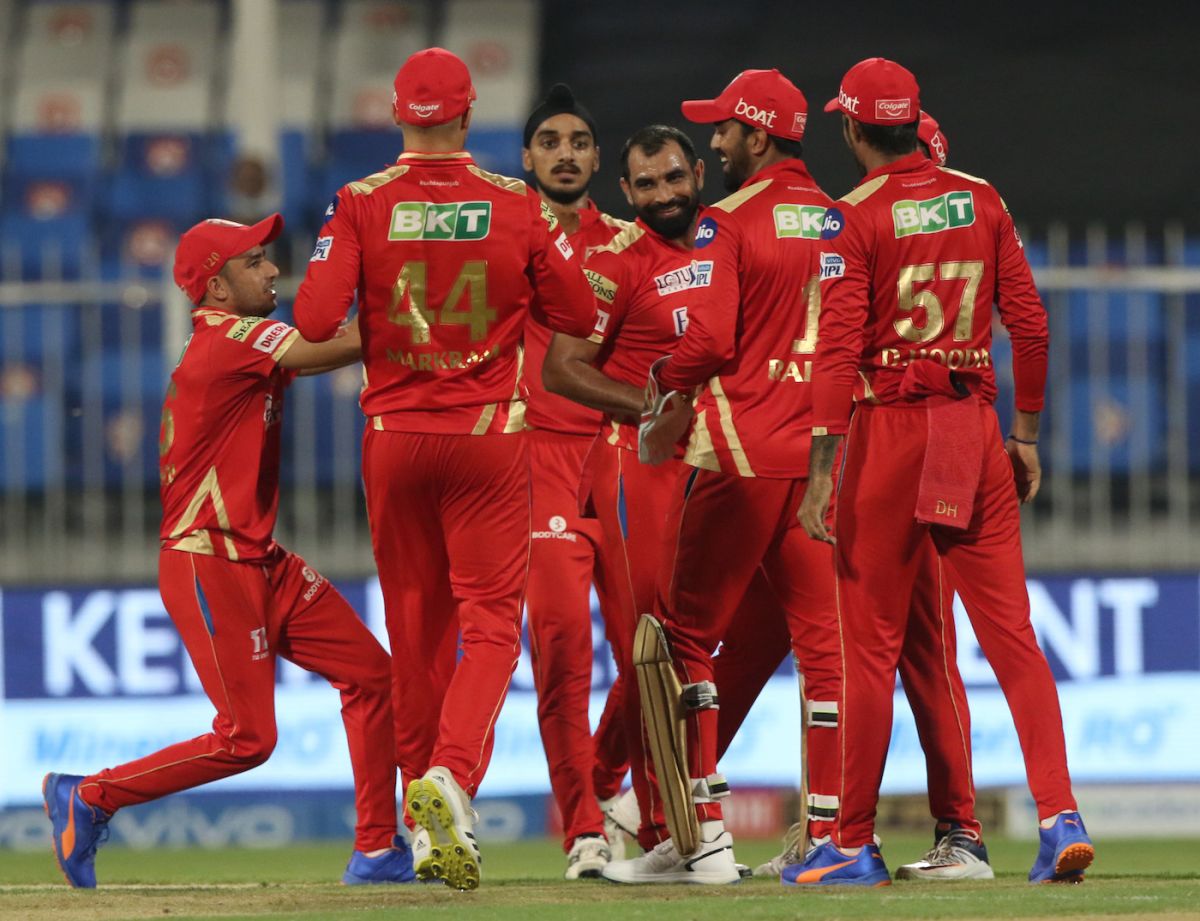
<point x="443" y="811"/>
<point x="711" y="864"/>
<point x="621" y="817"/>
<point x="587" y="857"/>
<point x="795" y="845"/>
<point x="959" y="854"/>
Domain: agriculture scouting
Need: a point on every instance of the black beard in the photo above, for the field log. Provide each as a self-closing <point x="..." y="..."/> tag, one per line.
<point x="670" y="227"/>
<point x="563" y="196"/>
<point x="732" y="177"/>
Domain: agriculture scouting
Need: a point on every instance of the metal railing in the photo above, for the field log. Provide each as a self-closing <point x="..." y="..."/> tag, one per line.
<point x="83" y="365"/>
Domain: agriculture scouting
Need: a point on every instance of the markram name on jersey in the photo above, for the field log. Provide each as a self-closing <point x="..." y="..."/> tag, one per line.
<point x="424" y="220"/>
<point x="805" y="221"/>
<point x="933" y="215"/>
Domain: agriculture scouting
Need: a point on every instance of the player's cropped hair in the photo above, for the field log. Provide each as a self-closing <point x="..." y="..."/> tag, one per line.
<point x="894" y="140"/>
<point x="786" y="146"/>
<point x="653" y="138"/>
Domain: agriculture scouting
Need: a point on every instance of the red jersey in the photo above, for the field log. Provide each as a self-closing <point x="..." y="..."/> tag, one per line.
<point x="445" y="258"/>
<point x="546" y="410"/>
<point x="643" y="284"/>
<point x="925" y="251"/>
<point x="752" y="335"/>
<point x="218" y="448"/>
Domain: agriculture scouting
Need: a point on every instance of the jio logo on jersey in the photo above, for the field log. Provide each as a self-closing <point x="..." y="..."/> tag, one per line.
<point x="835" y="221"/>
<point x="706" y="232"/>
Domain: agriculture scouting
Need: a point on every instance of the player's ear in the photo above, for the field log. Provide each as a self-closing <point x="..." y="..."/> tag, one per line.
<point x="625" y="189"/>
<point x="698" y="169"/>
<point x="596" y="161"/>
<point x="526" y="160"/>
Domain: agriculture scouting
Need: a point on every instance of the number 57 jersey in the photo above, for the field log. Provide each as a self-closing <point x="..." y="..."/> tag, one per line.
<point x="444" y="258"/>
<point x="924" y="253"/>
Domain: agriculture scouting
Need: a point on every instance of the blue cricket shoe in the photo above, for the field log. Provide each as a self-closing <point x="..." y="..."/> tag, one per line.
<point x="392" y="866"/>
<point x="78" y="828"/>
<point x="1065" y="851"/>
<point x="825" y="865"/>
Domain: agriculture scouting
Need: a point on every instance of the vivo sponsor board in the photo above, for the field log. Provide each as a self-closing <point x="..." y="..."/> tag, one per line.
<point x="94" y="677"/>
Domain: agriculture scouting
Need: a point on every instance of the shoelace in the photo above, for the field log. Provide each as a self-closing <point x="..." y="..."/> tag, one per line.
<point x="943" y="852"/>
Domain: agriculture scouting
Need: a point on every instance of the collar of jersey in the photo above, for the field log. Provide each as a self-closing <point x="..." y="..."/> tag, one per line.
<point x="907" y="164"/>
<point x="415" y="156"/>
<point x="791" y="165"/>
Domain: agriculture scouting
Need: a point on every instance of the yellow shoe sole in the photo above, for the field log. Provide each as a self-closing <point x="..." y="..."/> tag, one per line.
<point x="452" y="858"/>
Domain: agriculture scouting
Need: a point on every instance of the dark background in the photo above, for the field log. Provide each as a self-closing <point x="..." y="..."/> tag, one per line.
<point x="1074" y="112"/>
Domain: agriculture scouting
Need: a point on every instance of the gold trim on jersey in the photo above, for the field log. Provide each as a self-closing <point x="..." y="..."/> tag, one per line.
<point x="962" y="175"/>
<point x="866" y="190"/>
<point x="725" y="414"/>
<point x="369" y="184"/>
<point x="209" y="488"/>
<point x="614" y="221"/>
<point x="288" y="341"/>
<point x="516" y="403"/>
<point x="614" y="437"/>
<point x="452" y="155"/>
<point x="622" y="241"/>
<point x="504" y="182"/>
<point x="868" y="390"/>
<point x="700" y="451"/>
<point x="485" y="419"/>
<point x="377" y="423"/>
<point x="741" y="196"/>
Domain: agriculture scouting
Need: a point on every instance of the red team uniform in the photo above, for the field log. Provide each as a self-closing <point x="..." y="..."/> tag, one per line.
<point x="444" y="258"/>
<point x="564" y="559"/>
<point x="238" y="599"/>
<point x="922" y="253"/>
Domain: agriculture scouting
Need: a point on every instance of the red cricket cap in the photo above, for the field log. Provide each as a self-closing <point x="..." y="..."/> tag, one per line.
<point x="432" y="87"/>
<point x="759" y="98"/>
<point x="878" y="92"/>
<point x="204" y="249"/>
<point x="931" y="136"/>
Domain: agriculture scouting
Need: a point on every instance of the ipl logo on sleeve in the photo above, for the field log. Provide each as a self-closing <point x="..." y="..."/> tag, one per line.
<point x="321" y="252"/>
<point x="832" y="266"/>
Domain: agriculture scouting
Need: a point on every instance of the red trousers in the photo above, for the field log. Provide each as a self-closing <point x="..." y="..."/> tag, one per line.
<point x="879" y="549"/>
<point x="630" y="500"/>
<point x="564" y="559"/>
<point x="450" y="528"/>
<point x="724" y="533"/>
<point x="234" y="619"/>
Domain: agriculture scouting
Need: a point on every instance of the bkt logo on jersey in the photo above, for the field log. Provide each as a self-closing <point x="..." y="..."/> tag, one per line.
<point x="946" y="212"/>
<point x="426" y="220"/>
<point x="805" y="221"/>
<point x="696" y="275"/>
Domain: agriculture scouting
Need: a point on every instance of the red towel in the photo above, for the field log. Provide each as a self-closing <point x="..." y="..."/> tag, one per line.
<point x="954" y="443"/>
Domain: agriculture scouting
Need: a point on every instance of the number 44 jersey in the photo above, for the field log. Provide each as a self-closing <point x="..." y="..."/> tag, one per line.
<point x="444" y="258"/>
<point x="923" y="252"/>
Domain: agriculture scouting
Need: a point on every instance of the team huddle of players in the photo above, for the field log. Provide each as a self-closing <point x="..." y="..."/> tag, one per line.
<point x="663" y="408"/>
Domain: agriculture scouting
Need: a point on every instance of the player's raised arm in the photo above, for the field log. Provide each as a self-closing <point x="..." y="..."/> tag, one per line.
<point x="309" y="358"/>
<point x="331" y="280"/>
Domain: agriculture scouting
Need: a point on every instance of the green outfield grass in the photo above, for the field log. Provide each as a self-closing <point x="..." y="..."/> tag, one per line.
<point x="523" y="881"/>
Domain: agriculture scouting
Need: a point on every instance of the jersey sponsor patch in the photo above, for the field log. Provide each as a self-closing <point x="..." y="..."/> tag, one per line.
<point x="321" y="250"/>
<point x="679" y="315"/>
<point x="806" y="221"/>
<point x="428" y="220"/>
<point x="563" y="245"/>
<point x="549" y="217"/>
<point x="268" y="340"/>
<point x="706" y="232"/>
<point x="240" y="330"/>
<point x="601" y="327"/>
<point x="696" y="275"/>
<point x="604" y="288"/>
<point x="833" y="224"/>
<point x="933" y="215"/>
<point x="331" y="210"/>
<point x="832" y="266"/>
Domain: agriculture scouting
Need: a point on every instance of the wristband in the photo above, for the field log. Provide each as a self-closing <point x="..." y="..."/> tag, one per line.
<point x="1022" y="441"/>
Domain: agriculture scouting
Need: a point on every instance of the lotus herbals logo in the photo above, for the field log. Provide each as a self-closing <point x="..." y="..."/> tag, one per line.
<point x="424" y="220"/>
<point x="933" y="215"/>
<point x="804" y="221"/>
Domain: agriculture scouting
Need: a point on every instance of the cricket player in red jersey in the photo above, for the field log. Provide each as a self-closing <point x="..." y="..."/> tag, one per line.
<point x="926" y="252"/>
<point x="445" y="258"/>
<point x="750" y="339"/>
<point x="560" y="151"/>
<point x="643" y="282"/>
<point x="238" y="599"/>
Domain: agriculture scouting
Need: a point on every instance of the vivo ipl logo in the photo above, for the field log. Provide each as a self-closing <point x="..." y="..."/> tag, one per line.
<point x="427" y="220"/>
<point x="933" y="215"/>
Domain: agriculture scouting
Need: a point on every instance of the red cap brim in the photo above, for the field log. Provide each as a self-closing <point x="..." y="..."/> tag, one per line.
<point x="832" y="105"/>
<point x="266" y="230"/>
<point x="703" y="111"/>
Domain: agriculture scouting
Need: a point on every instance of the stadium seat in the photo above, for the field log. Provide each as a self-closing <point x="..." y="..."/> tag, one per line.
<point x="160" y="175"/>
<point x="34" y="425"/>
<point x="45" y="228"/>
<point x="55" y="156"/>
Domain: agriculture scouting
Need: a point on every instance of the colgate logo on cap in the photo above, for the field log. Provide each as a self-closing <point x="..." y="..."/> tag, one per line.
<point x="895" y="109"/>
<point x="848" y="102"/>
<point x="424" y="109"/>
<point x="764" y="117"/>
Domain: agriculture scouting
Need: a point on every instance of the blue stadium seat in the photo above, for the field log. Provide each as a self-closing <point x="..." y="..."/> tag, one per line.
<point x="354" y="154"/>
<point x="497" y="150"/>
<point x="1126" y="417"/>
<point x="60" y="156"/>
<point x="48" y="224"/>
<point x="161" y="175"/>
<point x="35" y="425"/>
<point x="298" y="206"/>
